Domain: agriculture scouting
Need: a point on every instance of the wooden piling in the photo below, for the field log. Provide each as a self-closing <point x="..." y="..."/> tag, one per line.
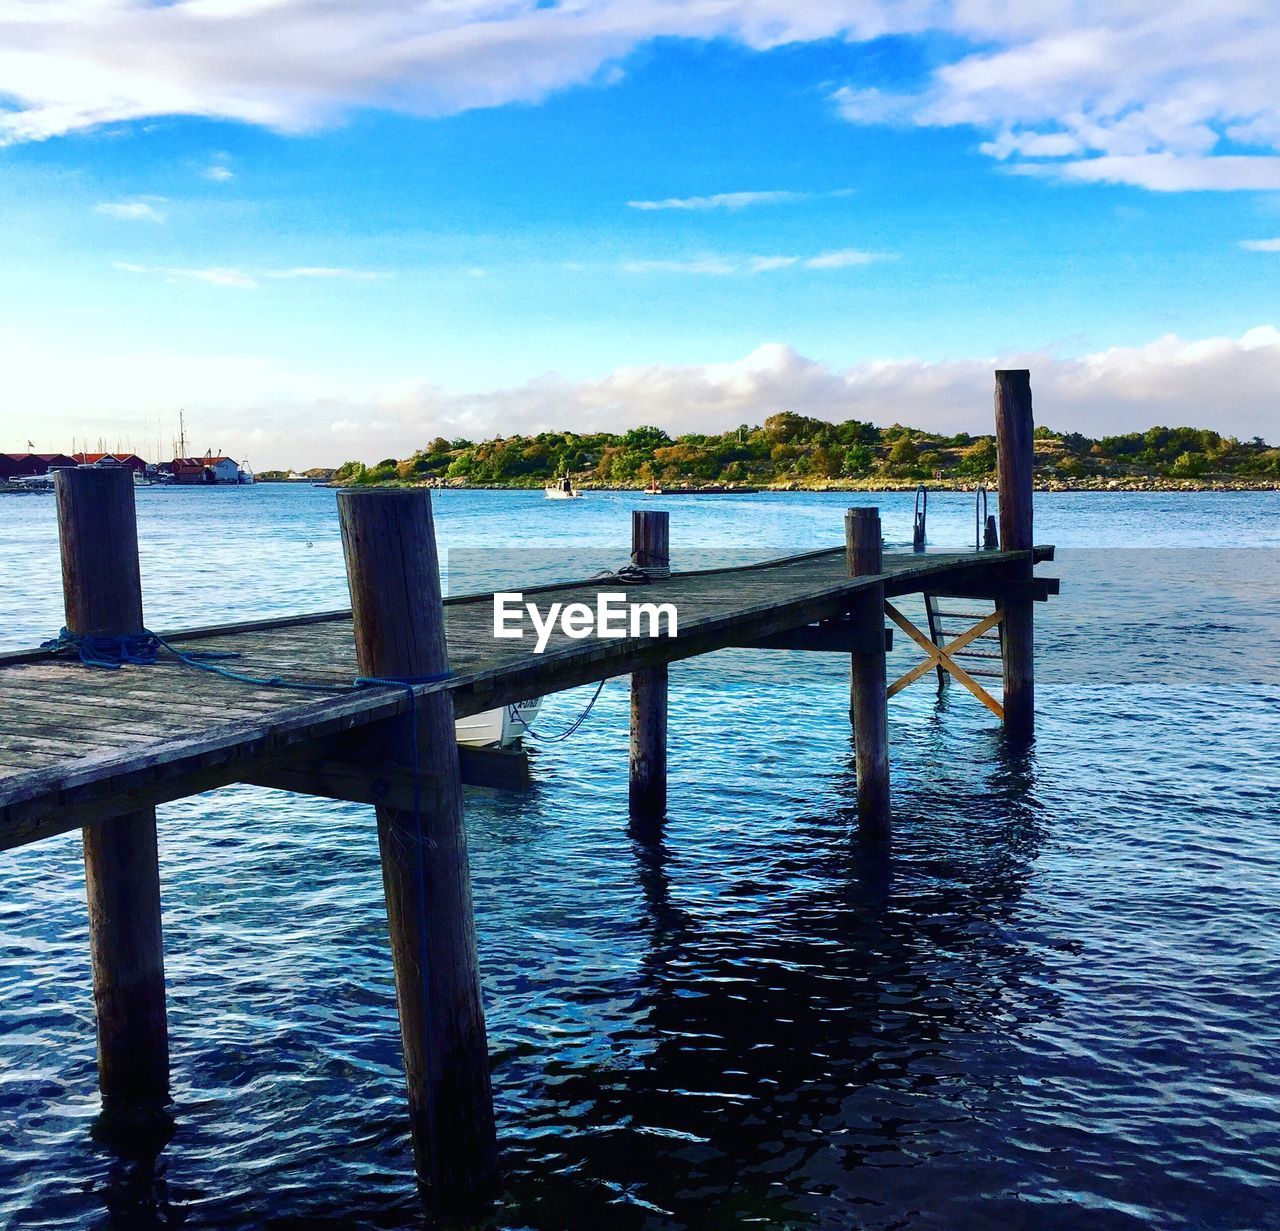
<point x="102" y="591"/>
<point x="388" y="538"/>
<point x="869" y="708"/>
<point x="1015" y="462"/>
<point x="647" y="794"/>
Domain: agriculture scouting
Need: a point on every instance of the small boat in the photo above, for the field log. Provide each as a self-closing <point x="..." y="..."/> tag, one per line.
<point x="653" y="489"/>
<point x="502" y="727"/>
<point x="562" y="489"/>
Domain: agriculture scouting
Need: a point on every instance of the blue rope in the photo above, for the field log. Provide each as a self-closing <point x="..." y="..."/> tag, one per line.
<point x="142" y="649"/>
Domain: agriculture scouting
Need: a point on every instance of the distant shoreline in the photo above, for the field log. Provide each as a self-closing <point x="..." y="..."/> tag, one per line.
<point x="1099" y="486"/>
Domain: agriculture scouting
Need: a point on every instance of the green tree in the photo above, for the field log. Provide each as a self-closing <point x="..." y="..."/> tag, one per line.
<point x="645" y="439"/>
<point x="979" y="458"/>
<point x="858" y="460"/>
<point x="903" y="457"/>
<point x="1189" y="466"/>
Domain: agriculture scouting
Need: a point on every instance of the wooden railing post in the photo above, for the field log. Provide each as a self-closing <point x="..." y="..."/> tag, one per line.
<point x="1015" y="462"/>
<point x="869" y="707"/>
<point x="102" y="591"/>
<point x="647" y="794"/>
<point x="388" y="538"/>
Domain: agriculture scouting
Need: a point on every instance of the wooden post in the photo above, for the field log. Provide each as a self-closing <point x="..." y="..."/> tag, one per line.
<point x="102" y="591"/>
<point x="647" y="795"/>
<point x="869" y="707"/>
<point x="388" y="538"/>
<point x="1014" y="462"/>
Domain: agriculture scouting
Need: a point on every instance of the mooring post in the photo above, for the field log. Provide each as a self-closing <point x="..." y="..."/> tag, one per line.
<point x="1014" y="466"/>
<point x="647" y="796"/>
<point x="388" y="538"/>
<point x="869" y="707"/>
<point x="102" y="593"/>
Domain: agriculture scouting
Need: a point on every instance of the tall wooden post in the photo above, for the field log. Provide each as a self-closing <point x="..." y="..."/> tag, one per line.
<point x="388" y="538"/>
<point x="1014" y="463"/>
<point x="647" y="795"/>
<point x="869" y="707"/>
<point x="102" y="591"/>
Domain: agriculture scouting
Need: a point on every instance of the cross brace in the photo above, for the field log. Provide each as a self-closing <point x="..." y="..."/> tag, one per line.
<point x="942" y="656"/>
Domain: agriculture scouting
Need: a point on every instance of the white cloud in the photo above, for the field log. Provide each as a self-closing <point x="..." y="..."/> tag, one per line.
<point x="304" y="416"/>
<point x="214" y="275"/>
<point x="219" y="173"/>
<point x="1108" y="93"/>
<point x="1165" y="172"/>
<point x="142" y="210"/>
<point x="1260" y="245"/>
<point x="843" y="258"/>
<point x="1141" y="86"/>
<point x="223" y="276"/>
<point x="326" y="271"/>
<point x="723" y="266"/>
<point x="734" y="200"/>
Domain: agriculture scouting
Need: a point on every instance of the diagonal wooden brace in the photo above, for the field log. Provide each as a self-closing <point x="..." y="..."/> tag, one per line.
<point x="940" y="656"/>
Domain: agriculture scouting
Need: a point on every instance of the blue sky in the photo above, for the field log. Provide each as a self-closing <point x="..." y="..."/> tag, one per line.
<point x="508" y="221"/>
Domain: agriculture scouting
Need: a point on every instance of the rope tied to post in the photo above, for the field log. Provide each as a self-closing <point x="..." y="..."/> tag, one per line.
<point x="111" y="651"/>
<point x="114" y="650"/>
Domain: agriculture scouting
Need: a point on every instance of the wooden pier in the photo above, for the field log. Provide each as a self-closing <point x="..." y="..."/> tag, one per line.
<point x="98" y="750"/>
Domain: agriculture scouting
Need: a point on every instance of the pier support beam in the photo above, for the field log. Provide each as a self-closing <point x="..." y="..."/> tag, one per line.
<point x="388" y="538"/>
<point x="869" y="707"/>
<point x="1014" y="462"/>
<point x="102" y="590"/>
<point x="647" y="796"/>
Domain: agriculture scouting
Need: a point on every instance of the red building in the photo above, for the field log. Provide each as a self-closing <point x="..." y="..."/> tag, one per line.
<point x="24" y="465"/>
<point x="132" y="460"/>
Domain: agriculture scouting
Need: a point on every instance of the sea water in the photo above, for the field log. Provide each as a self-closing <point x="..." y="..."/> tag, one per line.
<point x="1056" y="1004"/>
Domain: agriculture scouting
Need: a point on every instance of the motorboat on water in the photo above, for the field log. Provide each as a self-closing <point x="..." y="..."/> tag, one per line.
<point x="501" y="727"/>
<point x="653" y="489"/>
<point x="562" y="489"/>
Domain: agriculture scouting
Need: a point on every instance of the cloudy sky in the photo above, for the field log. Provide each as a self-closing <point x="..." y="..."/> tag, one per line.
<point x="338" y="228"/>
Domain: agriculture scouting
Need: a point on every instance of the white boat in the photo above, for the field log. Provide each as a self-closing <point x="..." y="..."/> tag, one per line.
<point x="562" y="489"/>
<point x="501" y="727"/>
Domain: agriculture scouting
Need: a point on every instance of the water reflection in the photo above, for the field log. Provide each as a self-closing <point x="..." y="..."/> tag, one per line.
<point x="136" y="1193"/>
<point x="808" y="1031"/>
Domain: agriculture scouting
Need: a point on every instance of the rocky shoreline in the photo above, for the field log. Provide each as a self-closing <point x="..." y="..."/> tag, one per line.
<point x="1092" y="484"/>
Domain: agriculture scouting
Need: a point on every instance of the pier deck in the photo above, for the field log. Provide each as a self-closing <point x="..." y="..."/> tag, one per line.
<point x="77" y="744"/>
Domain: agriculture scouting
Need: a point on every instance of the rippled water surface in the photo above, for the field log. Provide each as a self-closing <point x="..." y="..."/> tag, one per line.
<point x="1055" y="1004"/>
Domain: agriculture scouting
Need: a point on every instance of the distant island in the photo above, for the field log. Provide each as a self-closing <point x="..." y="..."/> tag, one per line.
<point x="791" y="451"/>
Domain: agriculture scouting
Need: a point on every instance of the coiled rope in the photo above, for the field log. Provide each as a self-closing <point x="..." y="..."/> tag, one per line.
<point x="113" y="651"/>
<point x="631" y="574"/>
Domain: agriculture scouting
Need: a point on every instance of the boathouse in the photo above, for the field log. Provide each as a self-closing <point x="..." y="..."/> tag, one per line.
<point x="26" y="465"/>
<point x="130" y="460"/>
<point x="209" y="469"/>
